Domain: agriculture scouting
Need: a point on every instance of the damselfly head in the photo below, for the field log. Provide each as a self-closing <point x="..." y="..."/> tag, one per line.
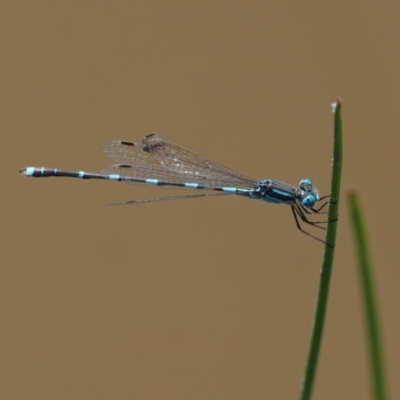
<point x="309" y="194"/>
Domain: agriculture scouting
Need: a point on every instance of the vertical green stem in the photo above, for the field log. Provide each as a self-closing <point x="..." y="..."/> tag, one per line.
<point x="322" y="299"/>
<point x="368" y="299"/>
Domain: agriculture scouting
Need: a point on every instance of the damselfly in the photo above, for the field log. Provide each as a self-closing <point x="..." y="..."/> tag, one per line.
<point x="157" y="162"/>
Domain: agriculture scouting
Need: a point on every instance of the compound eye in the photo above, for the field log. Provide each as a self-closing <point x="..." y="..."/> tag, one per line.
<point x="306" y="185"/>
<point x="309" y="201"/>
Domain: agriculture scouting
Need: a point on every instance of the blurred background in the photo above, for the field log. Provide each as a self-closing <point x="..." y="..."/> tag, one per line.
<point x="208" y="298"/>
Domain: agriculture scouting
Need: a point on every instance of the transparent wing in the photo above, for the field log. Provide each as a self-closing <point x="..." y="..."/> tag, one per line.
<point x="151" y="200"/>
<point x="158" y="159"/>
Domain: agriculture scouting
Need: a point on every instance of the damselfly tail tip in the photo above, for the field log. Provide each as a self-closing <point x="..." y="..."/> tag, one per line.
<point x="23" y="171"/>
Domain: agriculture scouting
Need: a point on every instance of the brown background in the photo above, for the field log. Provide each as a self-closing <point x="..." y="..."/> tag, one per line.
<point x="208" y="298"/>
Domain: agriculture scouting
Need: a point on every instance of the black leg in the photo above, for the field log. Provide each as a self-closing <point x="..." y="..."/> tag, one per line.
<point x="295" y="212"/>
<point x="300" y="211"/>
<point x="318" y="210"/>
